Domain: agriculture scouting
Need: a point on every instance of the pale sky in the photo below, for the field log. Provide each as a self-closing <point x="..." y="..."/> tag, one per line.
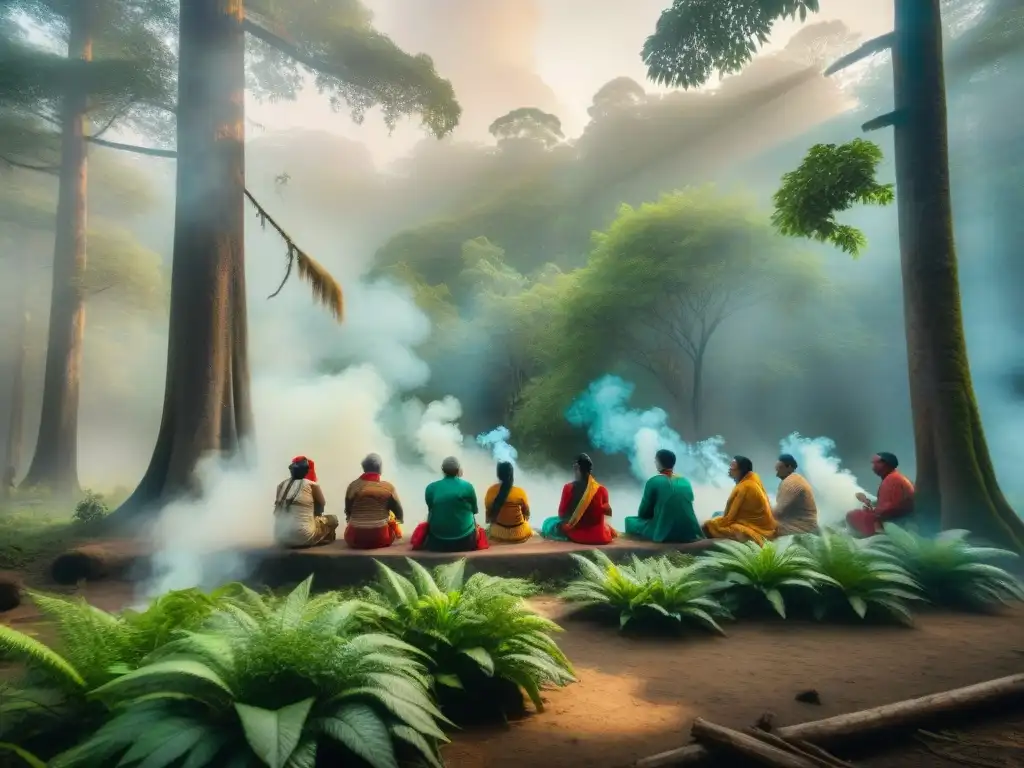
<point x="570" y="47"/>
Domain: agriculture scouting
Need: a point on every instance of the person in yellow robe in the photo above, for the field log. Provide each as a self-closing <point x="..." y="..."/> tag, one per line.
<point x="748" y="512"/>
<point x="508" y="509"/>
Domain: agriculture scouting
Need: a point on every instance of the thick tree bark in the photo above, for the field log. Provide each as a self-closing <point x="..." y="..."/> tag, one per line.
<point x="956" y="483"/>
<point x="55" y="462"/>
<point x="207" y="408"/>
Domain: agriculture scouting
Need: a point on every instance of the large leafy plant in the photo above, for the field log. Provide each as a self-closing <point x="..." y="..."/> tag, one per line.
<point x="50" y="707"/>
<point x="484" y="644"/>
<point x="766" y="571"/>
<point x="270" y="682"/>
<point x="950" y="570"/>
<point x="655" y="588"/>
<point x="861" y="578"/>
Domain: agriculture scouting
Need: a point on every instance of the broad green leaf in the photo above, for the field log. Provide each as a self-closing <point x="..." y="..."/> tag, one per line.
<point x="481" y="657"/>
<point x="449" y="681"/>
<point x="775" y="598"/>
<point x="859" y="606"/>
<point x="274" y="734"/>
<point x="360" y="729"/>
<point x="161" y="674"/>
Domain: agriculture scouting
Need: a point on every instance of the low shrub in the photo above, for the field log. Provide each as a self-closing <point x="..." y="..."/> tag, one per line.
<point x="50" y="707"/>
<point x="860" y="578"/>
<point x="950" y="570"/>
<point x="652" y="589"/>
<point x="483" y="644"/>
<point x="90" y="509"/>
<point x="270" y="682"/>
<point x="766" y="571"/>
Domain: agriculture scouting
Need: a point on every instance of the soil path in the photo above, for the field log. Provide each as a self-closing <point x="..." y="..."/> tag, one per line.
<point x="636" y="697"/>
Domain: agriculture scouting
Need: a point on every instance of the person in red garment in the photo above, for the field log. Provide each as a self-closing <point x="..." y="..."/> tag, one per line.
<point x="372" y="509"/>
<point x="895" y="498"/>
<point x="583" y="510"/>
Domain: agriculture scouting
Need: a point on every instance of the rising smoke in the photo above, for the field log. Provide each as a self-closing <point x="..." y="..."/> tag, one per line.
<point x="614" y="427"/>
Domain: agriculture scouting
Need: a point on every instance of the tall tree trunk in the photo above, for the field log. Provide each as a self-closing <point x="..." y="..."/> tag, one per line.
<point x="207" y="408"/>
<point x="956" y="483"/>
<point x="55" y="462"/>
<point x="697" y="394"/>
<point x="16" y="405"/>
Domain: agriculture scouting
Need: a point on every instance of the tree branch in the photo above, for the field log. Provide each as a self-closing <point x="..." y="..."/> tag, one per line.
<point x="118" y="114"/>
<point x="28" y="166"/>
<point x="254" y="26"/>
<point x="325" y="289"/>
<point x="882" y="121"/>
<point x="870" y="48"/>
<point x="148" y="151"/>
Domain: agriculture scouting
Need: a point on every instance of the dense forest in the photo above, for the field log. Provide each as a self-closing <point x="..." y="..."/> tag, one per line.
<point x="541" y="260"/>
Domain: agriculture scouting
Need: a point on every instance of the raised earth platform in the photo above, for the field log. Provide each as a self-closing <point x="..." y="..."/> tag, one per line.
<point x="335" y="565"/>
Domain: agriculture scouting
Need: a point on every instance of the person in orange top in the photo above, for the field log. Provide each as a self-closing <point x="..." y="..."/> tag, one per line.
<point x="372" y="509"/>
<point x="895" y="498"/>
<point x="583" y="510"/>
<point x="748" y="512"/>
<point x="508" y="509"/>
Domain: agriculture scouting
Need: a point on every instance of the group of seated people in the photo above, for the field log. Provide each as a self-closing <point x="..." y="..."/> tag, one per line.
<point x="374" y="514"/>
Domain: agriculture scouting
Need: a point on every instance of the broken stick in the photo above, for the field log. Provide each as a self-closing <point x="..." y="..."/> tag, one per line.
<point x="816" y="755"/>
<point x="748" y="746"/>
<point x="903" y="714"/>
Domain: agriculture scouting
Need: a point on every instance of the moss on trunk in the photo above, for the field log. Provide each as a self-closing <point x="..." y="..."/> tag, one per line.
<point x="55" y="462"/>
<point x="956" y="483"/>
<point x="207" y="408"/>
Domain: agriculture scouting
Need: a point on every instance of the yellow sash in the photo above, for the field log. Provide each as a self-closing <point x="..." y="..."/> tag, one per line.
<point x="588" y="496"/>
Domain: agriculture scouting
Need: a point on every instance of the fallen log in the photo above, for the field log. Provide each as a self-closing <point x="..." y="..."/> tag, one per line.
<point x="816" y="755"/>
<point x="905" y="714"/>
<point x="902" y="714"/>
<point x="748" y="746"/>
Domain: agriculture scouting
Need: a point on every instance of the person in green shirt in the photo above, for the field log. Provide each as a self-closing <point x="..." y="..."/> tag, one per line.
<point x="451" y="514"/>
<point x="666" y="510"/>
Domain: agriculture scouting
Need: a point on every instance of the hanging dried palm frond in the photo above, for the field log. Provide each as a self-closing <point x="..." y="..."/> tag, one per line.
<point x="325" y="288"/>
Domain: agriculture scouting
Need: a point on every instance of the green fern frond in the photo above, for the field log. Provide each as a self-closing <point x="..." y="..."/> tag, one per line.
<point x="651" y="588"/>
<point x="949" y="570"/>
<point x="19" y="647"/>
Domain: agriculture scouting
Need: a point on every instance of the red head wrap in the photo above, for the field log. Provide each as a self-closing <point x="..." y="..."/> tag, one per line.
<point x="311" y="475"/>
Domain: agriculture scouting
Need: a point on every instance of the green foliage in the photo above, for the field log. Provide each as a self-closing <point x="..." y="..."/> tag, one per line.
<point x="662" y="280"/>
<point x="694" y="39"/>
<point x="950" y="570"/>
<point x="767" y="570"/>
<point x="32" y="529"/>
<point x="528" y="124"/>
<point x="24" y="756"/>
<point x="94" y="647"/>
<point x="183" y="609"/>
<point x="652" y="589"/>
<point x="353" y="64"/>
<point x="50" y="707"/>
<point x="90" y="509"/>
<point x="615" y="97"/>
<point x="831" y="179"/>
<point x="272" y="682"/>
<point x="130" y="81"/>
<point x="860" y="576"/>
<point x="483" y="642"/>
